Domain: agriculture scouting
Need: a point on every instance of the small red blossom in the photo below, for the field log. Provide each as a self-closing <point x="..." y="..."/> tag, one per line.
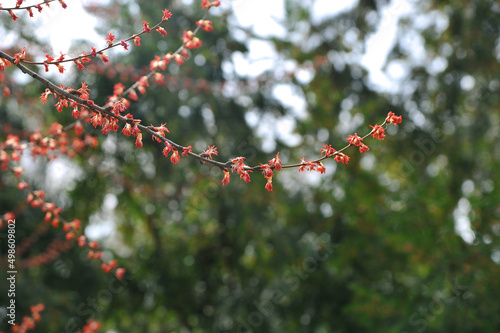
<point x="167" y="149"/>
<point x="378" y="132"/>
<point x="186" y="150"/>
<point x="159" y="78"/>
<point x="167" y="57"/>
<point x="118" y="108"/>
<point x="143" y="81"/>
<point x="78" y="128"/>
<point x="127" y="129"/>
<point x="175" y="158"/>
<point x="93" y="245"/>
<point x="61" y="104"/>
<point x="82" y="241"/>
<point x="162" y="31"/>
<point x="133" y="95"/>
<point x="22" y="185"/>
<point x="125" y="45"/>
<point x="60" y="68"/>
<point x="104" y="57"/>
<point x="205" y="4"/>
<point x="239" y="164"/>
<point x="49" y="58"/>
<point x="61" y="57"/>
<point x="56" y="129"/>
<point x="119" y="273"/>
<point x="178" y="59"/>
<point x="160" y="131"/>
<point x="20" y="56"/>
<point x="276" y="162"/>
<point x="14" y="17"/>
<point x="393" y="119"/>
<point x="226" y="178"/>
<point x="354" y="140"/>
<point x="321" y="168"/>
<point x="245" y="175"/>
<point x="92" y="141"/>
<point x="18" y="171"/>
<point x="146" y="27"/>
<point x="209" y="152"/>
<point x="118" y="89"/>
<point x="4" y="63"/>
<point x="138" y="141"/>
<point x="137" y="41"/>
<point x="205" y="25"/>
<point x="135" y="130"/>
<point x="96" y="119"/>
<point x="112" y="263"/>
<point x="328" y="150"/>
<point x="193" y="44"/>
<point x="363" y="148"/>
<point x="44" y="95"/>
<point x="84" y="91"/>
<point x="157" y="63"/>
<point x="166" y="14"/>
<point x="267" y="171"/>
<point x="307" y="165"/>
<point x="340" y="157"/>
<point x="105" y="268"/>
<point x="110" y="39"/>
<point x="269" y="184"/>
<point x="79" y="65"/>
<point x="84" y="58"/>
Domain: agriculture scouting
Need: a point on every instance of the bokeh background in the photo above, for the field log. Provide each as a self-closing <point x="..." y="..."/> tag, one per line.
<point x="405" y="238"/>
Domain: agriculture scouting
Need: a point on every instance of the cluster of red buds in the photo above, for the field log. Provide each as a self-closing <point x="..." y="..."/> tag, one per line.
<point x="84" y="57"/>
<point x="106" y="267"/>
<point x="29" y="9"/>
<point x="90" y="327"/>
<point x="53" y="251"/>
<point x="29" y="323"/>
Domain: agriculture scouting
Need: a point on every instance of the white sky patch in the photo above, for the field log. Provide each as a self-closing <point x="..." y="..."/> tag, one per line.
<point x="325" y="9"/>
<point x="262" y="16"/>
<point x="100" y="228"/>
<point x="462" y="221"/>
<point x="62" y="173"/>
<point x="285" y="127"/>
<point x="292" y="98"/>
<point x="61" y="26"/>
<point x="261" y="57"/>
<point x="380" y="43"/>
<point x="102" y="224"/>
